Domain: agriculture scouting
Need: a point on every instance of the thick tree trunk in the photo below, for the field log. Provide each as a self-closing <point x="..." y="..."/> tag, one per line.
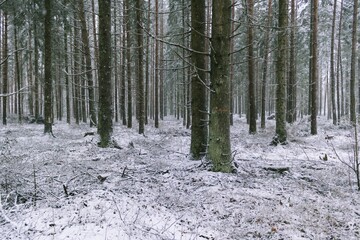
<point x="199" y="126"/>
<point x="219" y="151"/>
<point x="105" y="126"/>
<point x="281" y="135"/>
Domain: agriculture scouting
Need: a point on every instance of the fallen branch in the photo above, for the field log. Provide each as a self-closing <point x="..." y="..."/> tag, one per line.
<point x="280" y="170"/>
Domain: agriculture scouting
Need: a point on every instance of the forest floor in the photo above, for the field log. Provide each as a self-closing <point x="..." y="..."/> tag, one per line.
<point x="69" y="188"/>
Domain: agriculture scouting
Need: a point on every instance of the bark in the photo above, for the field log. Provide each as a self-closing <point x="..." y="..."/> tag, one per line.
<point x="314" y="68"/>
<point x="48" y="78"/>
<point x="199" y="127"/>
<point x="265" y="64"/>
<point x="281" y="134"/>
<point x="128" y="64"/>
<point x="251" y="68"/>
<point x="156" y="90"/>
<point x="291" y="109"/>
<point x="5" y="69"/>
<point x="123" y="70"/>
<point x="332" y="66"/>
<point x="88" y="68"/>
<point x="219" y="151"/>
<point x="67" y="85"/>
<point x="353" y="64"/>
<point x="140" y="72"/>
<point x="18" y="76"/>
<point x="105" y="126"/>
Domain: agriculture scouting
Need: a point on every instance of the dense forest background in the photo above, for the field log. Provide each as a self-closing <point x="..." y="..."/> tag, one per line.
<point x="100" y="62"/>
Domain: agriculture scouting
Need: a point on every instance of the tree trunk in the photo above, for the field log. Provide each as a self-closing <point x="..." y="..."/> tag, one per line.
<point x="18" y="76"/>
<point x="281" y="135"/>
<point x="314" y="68"/>
<point x="291" y="99"/>
<point x="199" y="126"/>
<point x="219" y="128"/>
<point x="123" y="70"/>
<point x="332" y="66"/>
<point x="88" y="69"/>
<point x="5" y="69"/>
<point x="156" y="93"/>
<point x="128" y="64"/>
<point x="140" y="72"/>
<point x="265" y="64"/>
<point x="353" y="64"/>
<point x="105" y="126"/>
<point x="338" y="70"/>
<point x="251" y="68"/>
<point x="48" y="78"/>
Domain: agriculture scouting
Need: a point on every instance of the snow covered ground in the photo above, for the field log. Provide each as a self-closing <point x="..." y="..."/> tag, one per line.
<point x="150" y="189"/>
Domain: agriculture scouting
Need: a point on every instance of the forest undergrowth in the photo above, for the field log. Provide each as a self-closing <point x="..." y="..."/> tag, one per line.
<point x="148" y="188"/>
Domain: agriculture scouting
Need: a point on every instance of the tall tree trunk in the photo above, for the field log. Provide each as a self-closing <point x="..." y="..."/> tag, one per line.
<point x="251" y="68"/>
<point x="115" y="64"/>
<point x="219" y="128"/>
<point x="291" y="99"/>
<point x="281" y="135"/>
<point x="265" y="64"/>
<point x="199" y="126"/>
<point x="128" y="63"/>
<point x="123" y="70"/>
<point x="36" y="73"/>
<point x="314" y="68"/>
<point x="5" y="69"/>
<point x="48" y="78"/>
<point x="147" y="65"/>
<point x="353" y="64"/>
<point x="18" y="76"/>
<point x="105" y="126"/>
<point x="67" y="85"/>
<point x="156" y="97"/>
<point x="339" y="97"/>
<point x="332" y="66"/>
<point x="140" y="72"/>
<point x="88" y="69"/>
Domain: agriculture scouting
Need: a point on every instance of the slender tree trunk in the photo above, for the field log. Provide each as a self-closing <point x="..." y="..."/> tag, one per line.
<point x="147" y="66"/>
<point x="67" y="85"/>
<point x="281" y="135"/>
<point x="105" y="126"/>
<point x="128" y="60"/>
<point x="88" y="69"/>
<point x="199" y="126"/>
<point x="332" y="66"/>
<point x="48" y="78"/>
<point x="291" y="110"/>
<point x="314" y="68"/>
<point x="219" y="129"/>
<point x="18" y="76"/>
<point x="353" y="64"/>
<point x="339" y="97"/>
<point x="156" y="97"/>
<point x="5" y="68"/>
<point x="36" y="73"/>
<point x="123" y="70"/>
<point x="251" y="68"/>
<point x="265" y="64"/>
<point x="140" y="72"/>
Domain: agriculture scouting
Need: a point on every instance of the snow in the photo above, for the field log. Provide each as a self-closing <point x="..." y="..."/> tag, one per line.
<point x="150" y="189"/>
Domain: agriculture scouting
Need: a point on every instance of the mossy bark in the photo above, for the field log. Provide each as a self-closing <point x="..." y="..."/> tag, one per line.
<point x="219" y="151"/>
